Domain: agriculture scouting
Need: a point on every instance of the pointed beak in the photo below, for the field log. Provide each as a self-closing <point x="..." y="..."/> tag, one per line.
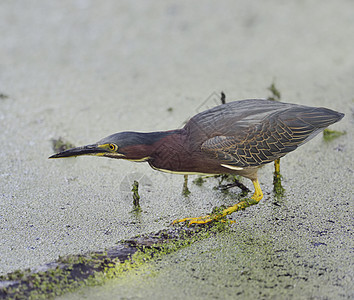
<point x="78" y="151"/>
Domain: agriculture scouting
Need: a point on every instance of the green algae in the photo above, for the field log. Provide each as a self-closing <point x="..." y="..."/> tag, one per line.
<point x="329" y="135"/>
<point x="74" y="271"/>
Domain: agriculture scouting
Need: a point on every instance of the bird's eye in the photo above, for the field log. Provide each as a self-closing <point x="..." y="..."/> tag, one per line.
<point x="113" y="147"/>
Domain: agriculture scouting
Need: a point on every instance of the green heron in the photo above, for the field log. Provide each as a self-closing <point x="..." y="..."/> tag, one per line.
<point x="237" y="138"/>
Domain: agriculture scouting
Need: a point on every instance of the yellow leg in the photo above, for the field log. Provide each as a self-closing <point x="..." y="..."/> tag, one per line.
<point x="277" y="166"/>
<point x="257" y="196"/>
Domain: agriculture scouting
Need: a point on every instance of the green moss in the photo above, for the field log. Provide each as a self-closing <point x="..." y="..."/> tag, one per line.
<point x="329" y="135"/>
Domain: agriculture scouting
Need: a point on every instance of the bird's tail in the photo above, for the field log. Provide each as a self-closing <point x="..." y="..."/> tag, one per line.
<point x="305" y="123"/>
<point x="321" y="117"/>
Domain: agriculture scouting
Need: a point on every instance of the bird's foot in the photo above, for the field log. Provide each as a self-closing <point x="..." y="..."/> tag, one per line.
<point x="220" y="214"/>
<point x="216" y="215"/>
<point x="203" y="220"/>
<point x="197" y="220"/>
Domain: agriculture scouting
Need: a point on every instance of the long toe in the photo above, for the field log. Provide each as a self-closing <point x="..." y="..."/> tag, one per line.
<point x="196" y="220"/>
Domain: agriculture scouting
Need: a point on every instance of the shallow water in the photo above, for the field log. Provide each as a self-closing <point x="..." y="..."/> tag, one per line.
<point x="83" y="70"/>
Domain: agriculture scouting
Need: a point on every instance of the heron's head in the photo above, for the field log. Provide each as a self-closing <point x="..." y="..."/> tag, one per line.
<point x="125" y="145"/>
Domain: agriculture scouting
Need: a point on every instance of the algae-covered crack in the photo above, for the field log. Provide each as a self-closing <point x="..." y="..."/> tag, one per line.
<point x="70" y="272"/>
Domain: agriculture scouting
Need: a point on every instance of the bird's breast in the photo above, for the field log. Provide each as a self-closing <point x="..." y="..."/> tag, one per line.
<point x="178" y="154"/>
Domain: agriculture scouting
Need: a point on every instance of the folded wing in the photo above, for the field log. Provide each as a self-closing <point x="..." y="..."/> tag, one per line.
<point x="259" y="142"/>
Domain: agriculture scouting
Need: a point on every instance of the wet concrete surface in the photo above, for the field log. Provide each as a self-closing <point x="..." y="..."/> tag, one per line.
<point x="82" y="70"/>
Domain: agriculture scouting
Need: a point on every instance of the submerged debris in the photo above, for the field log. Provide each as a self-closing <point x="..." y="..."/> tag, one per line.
<point x="136" y="196"/>
<point x="3" y="96"/>
<point x="199" y="181"/>
<point x="275" y="93"/>
<point x="185" y="191"/>
<point x="278" y="189"/>
<point x="70" y="272"/>
<point x="234" y="181"/>
<point x="329" y="135"/>
<point x="223" y="98"/>
<point x="60" y="145"/>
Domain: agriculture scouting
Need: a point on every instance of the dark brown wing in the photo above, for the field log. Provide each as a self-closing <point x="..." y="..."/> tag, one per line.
<point x="263" y="141"/>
